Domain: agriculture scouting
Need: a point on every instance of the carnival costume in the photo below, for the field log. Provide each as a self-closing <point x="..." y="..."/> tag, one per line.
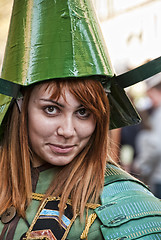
<point x="62" y="39"/>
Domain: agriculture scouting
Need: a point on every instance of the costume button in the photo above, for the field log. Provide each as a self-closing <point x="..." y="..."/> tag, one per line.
<point x="8" y="215"/>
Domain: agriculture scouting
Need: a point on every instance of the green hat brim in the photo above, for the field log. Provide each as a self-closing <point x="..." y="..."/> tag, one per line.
<point x="122" y="112"/>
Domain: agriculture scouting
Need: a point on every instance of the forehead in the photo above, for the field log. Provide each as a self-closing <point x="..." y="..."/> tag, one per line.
<point x="48" y="89"/>
<point x="52" y="92"/>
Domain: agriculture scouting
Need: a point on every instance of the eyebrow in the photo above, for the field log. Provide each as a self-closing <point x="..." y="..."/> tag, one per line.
<point x="52" y="101"/>
<point x="57" y="103"/>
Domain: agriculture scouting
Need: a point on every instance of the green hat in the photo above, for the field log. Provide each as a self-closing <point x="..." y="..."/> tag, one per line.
<point x="59" y="39"/>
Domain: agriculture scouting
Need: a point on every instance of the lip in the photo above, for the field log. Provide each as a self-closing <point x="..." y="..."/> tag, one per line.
<point x="61" y="149"/>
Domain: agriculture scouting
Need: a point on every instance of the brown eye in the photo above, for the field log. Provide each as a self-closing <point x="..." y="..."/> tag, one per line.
<point x="51" y="110"/>
<point x="83" y="113"/>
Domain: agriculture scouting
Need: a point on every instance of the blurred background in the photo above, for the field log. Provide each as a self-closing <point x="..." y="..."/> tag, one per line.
<point x="132" y="31"/>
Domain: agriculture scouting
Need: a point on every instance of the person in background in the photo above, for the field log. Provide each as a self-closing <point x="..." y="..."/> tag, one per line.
<point x="148" y="160"/>
<point x="58" y="101"/>
<point x="129" y="148"/>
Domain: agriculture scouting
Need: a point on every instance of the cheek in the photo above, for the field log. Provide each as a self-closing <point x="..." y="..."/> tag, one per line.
<point x="87" y="129"/>
<point x="36" y="128"/>
<point x="39" y="125"/>
<point x="32" y="129"/>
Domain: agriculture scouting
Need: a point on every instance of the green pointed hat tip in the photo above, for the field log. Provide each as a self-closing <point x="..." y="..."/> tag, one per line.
<point x="54" y="39"/>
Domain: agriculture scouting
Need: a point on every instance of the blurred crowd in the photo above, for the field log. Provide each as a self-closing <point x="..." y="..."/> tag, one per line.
<point x="140" y="145"/>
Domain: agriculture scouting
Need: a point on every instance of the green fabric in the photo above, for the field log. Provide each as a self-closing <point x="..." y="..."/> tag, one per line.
<point x="147" y="227"/>
<point x="77" y="229"/>
<point x="123" y="196"/>
<point x="129" y="210"/>
<point x="44" y="181"/>
<point x="114" y="174"/>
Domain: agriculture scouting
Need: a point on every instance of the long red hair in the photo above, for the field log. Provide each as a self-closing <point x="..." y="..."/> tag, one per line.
<point x="83" y="178"/>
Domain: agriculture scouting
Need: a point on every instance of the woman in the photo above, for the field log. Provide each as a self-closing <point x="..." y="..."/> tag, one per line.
<point x="58" y="134"/>
<point x="57" y="178"/>
<point x="65" y="129"/>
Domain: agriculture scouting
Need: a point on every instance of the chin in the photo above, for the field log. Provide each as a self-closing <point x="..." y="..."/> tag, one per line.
<point x="59" y="162"/>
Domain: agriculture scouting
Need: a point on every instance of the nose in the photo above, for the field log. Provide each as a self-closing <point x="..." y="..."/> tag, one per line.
<point x="66" y="127"/>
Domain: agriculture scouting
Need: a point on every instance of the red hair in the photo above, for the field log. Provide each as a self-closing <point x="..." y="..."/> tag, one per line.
<point x="83" y="178"/>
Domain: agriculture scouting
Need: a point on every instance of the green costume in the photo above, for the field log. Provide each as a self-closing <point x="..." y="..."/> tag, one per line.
<point x="128" y="209"/>
<point x="50" y="39"/>
<point x="44" y="180"/>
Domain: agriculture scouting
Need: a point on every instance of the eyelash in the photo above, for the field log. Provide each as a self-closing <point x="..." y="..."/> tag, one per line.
<point x="86" y="115"/>
<point x="57" y="109"/>
<point x="46" y="108"/>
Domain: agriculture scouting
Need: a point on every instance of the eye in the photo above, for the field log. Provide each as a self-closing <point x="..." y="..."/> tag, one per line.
<point x="83" y="113"/>
<point x="51" y="110"/>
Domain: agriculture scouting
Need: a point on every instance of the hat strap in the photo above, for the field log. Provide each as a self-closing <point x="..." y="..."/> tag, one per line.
<point x="9" y="88"/>
<point x="140" y="73"/>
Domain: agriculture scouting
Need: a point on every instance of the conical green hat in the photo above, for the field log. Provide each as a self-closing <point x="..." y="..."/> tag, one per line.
<point x="59" y="39"/>
<point x="54" y="39"/>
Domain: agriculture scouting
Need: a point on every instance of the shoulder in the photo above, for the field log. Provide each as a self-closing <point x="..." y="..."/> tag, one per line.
<point x="129" y="210"/>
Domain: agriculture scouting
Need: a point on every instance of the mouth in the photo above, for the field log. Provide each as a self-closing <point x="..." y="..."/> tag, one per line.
<point x="61" y="149"/>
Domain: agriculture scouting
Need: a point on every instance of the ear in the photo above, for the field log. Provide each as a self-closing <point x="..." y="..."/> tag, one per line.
<point x="19" y="103"/>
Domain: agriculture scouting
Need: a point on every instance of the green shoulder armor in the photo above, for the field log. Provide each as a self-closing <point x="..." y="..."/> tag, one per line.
<point x="129" y="210"/>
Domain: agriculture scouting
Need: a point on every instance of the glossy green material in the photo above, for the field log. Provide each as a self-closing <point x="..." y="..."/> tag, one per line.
<point x="54" y="39"/>
<point x="128" y="209"/>
<point x="4" y="105"/>
<point x="122" y="111"/>
<point x="50" y="39"/>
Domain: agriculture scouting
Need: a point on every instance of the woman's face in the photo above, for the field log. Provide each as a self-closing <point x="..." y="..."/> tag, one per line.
<point x="58" y="129"/>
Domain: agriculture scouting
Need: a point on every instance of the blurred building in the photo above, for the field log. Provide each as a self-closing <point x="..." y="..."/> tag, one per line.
<point x="131" y="30"/>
